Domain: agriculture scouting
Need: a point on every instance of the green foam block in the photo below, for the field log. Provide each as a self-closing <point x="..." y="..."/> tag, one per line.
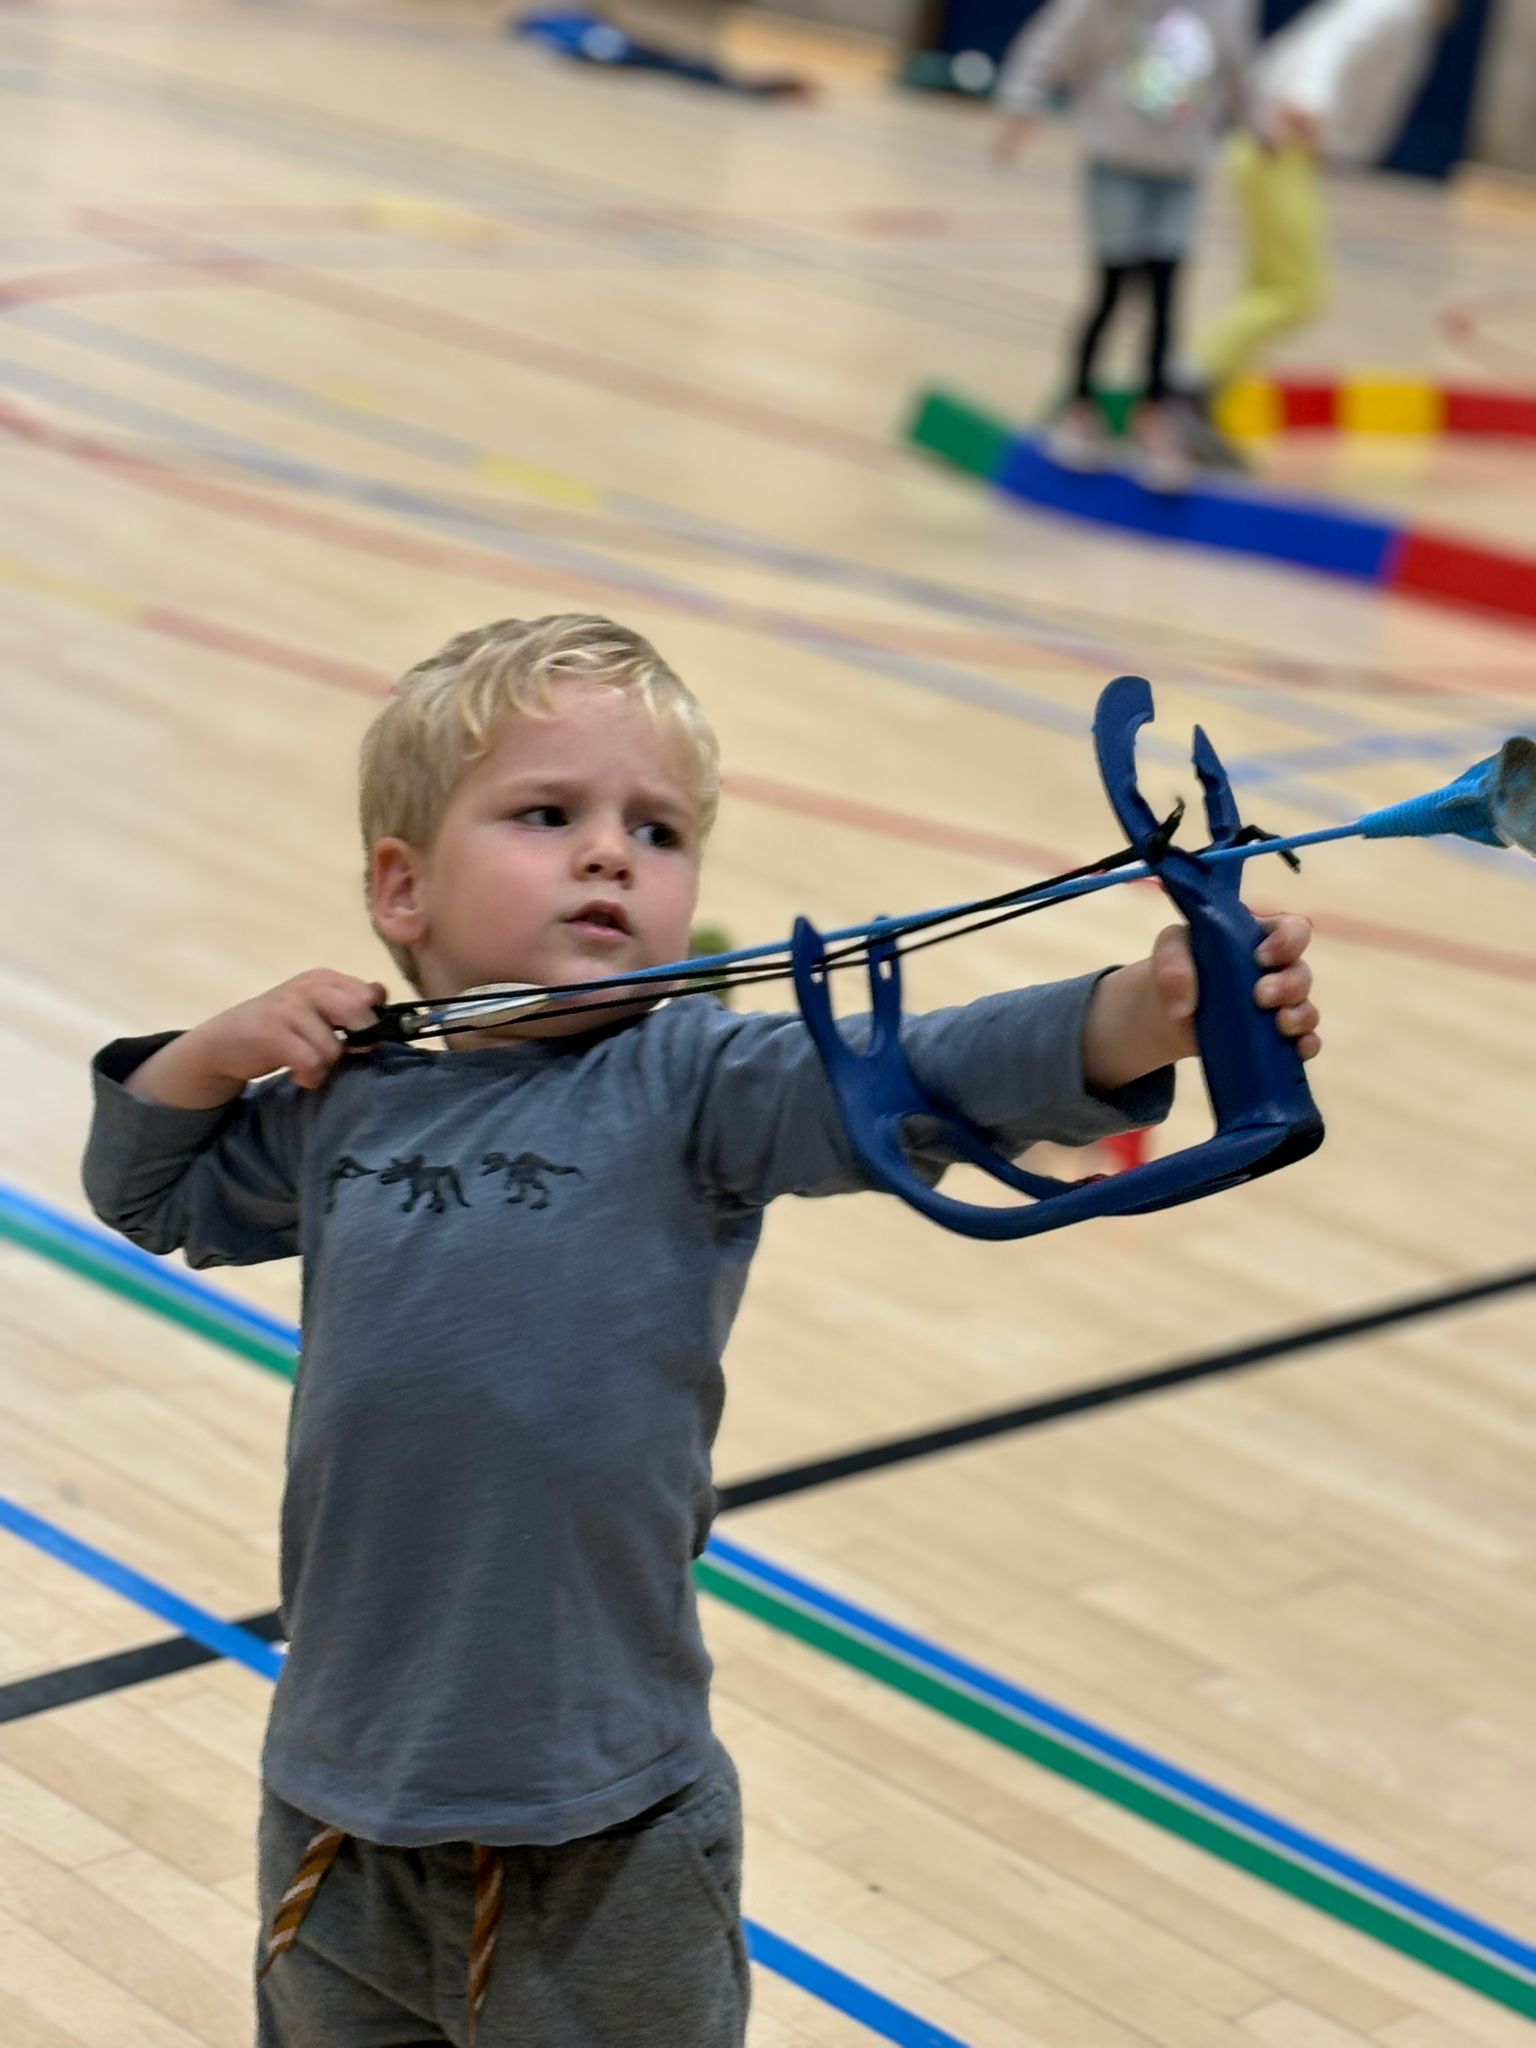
<point x="961" y="433"/>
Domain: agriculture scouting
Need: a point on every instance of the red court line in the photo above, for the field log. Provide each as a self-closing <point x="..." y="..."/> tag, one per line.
<point x="297" y="661"/>
<point x="449" y="557"/>
<point x="96" y="277"/>
<point x="1465" y="321"/>
<point x="957" y="644"/>
<point x="903" y="825"/>
<point x="906" y="827"/>
<point x="904" y="223"/>
<point x="484" y="564"/>
<point x="503" y="344"/>
<point x="805" y="632"/>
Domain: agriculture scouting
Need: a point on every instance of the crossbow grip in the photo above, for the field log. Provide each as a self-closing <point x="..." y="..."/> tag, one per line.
<point x="876" y="1092"/>
<point x="1265" y="1115"/>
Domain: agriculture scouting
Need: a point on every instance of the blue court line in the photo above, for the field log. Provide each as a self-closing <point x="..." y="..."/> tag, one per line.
<point x="575" y="205"/>
<point x="108" y="1248"/>
<point x="225" y="1638"/>
<point x="1198" y="1792"/>
<point x="822" y="274"/>
<point x="434" y="445"/>
<point x="1451" y="743"/>
<point x="1195" y="1791"/>
<point x="832" y="1986"/>
<point x="504" y="537"/>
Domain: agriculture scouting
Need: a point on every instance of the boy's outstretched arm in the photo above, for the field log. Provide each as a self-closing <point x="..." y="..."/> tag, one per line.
<point x="1141" y="1018"/>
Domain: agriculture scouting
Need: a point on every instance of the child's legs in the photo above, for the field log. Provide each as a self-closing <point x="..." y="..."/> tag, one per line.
<point x="1112" y="203"/>
<point x="631" y="1938"/>
<point x="1140" y="226"/>
<point x="1112" y="277"/>
<point x="1169" y="207"/>
<point x="1280" y="198"/>
<point x="1162" y="278"/>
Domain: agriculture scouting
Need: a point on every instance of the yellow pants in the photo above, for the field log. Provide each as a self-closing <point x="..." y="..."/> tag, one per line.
<point x="1279" y="196"/>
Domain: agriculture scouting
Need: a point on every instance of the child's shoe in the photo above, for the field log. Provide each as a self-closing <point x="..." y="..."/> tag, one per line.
<point x="1162" y="461"/>
<point x="1079" y="438"/>
<point x="1208" y="446"/>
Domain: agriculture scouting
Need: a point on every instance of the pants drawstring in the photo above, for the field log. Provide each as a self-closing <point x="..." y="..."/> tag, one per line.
<point x="321" y="1852"/>
<point x="490" y="1868"/>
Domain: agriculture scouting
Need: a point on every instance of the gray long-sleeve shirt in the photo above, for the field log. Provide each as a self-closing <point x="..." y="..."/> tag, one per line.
<point x="1154" y="83"/>
<point x="521" y="1264"/>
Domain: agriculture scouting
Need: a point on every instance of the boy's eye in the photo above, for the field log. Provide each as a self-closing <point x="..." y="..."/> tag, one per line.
<point x="547" y="815"/>
<point x="658" y="834"/>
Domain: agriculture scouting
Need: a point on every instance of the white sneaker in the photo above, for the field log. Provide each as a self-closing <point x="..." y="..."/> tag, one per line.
<point x="1079" y="438"/>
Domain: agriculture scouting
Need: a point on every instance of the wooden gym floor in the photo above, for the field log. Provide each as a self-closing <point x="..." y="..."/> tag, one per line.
<point x="327" y="331"/>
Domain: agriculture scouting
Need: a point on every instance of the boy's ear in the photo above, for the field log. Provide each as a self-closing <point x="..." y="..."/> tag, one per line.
<point x="394" y="892"/>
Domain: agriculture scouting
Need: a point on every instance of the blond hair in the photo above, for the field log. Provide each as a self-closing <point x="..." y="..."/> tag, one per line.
<point x="443" y="713"/>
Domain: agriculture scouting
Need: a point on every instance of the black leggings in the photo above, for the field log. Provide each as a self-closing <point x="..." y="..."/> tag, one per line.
<point x="1161" y="274"/>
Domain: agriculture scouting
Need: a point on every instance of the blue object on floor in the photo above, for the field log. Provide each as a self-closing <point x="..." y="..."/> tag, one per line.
<point x="576" y="33"/>
<point x="1313" y="535"/>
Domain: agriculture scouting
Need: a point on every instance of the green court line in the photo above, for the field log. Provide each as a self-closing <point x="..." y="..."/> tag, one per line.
<point x="941" y="1695"/>
<point x="1121" y="1788"/>
<point x="143" y="1289"/>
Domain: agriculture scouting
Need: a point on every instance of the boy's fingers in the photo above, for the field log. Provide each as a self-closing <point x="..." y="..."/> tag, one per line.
<point x="1287" y="937"/>
<point x="1299" y="1020"/>
<point x="316" y="1051"/>
<point x="1291" y="985"/>
<point x="348" y="1005"/>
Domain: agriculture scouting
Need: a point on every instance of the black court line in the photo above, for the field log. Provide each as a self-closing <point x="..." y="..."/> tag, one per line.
<point x="74" y="1682"/>
<point x="902" y="1450"/>
<point x="179" y="1653"/>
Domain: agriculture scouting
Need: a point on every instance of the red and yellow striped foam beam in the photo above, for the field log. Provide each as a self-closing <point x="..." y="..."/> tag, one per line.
<point x="1367" y="404"/>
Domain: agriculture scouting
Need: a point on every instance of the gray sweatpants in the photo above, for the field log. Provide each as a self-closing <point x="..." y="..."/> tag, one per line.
<point x="627" y="1939"/>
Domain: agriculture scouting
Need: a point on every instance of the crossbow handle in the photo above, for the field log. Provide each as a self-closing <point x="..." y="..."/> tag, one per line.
<point x="1264" y="1111"/>
<point x="1254" y="1076"/>
<point x="876" y="1093"/>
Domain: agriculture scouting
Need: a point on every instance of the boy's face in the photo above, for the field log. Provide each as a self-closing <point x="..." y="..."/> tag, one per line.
<point x="567" y="852"/>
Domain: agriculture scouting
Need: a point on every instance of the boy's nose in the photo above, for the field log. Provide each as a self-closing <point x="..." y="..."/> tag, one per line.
<point x="605" y="853"/>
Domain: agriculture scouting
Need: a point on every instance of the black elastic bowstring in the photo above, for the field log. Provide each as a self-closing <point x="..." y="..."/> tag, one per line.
<point x="1009" y="904"/>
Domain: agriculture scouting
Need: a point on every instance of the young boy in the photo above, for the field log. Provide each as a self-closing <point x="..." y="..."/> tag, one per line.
<point x="522" y="1257"/>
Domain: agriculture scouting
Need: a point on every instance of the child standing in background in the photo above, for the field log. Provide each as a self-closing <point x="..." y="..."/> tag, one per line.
<point x="1154" y="85"/>
<point x="1334" y="85"/>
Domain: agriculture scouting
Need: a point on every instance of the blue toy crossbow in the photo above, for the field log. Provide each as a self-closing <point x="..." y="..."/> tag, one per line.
<point x="1265" y="1115"/>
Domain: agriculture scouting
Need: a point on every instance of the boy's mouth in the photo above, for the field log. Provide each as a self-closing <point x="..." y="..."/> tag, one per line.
<point x="601" y="917"/>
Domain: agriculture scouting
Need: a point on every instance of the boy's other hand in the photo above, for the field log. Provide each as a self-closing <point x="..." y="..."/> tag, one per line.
<point x="1286" y="988"/>
<point x="294" y="1025"/>
<point x="1142" y="1017"/>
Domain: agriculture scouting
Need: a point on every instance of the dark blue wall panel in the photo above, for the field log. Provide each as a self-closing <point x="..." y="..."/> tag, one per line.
<point x="1434" y="136"/>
